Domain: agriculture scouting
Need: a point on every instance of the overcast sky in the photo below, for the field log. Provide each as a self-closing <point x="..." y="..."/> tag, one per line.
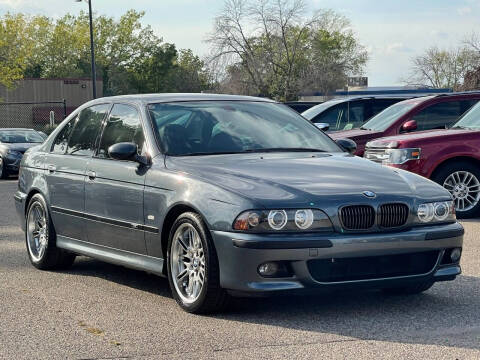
<point x="393" y="31"/>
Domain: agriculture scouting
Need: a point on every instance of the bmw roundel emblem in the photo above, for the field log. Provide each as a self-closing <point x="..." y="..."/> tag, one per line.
<point x="369" y="194"/>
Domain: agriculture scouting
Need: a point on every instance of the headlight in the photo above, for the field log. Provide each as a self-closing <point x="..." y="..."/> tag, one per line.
<point x="401" y="156"/>
<point x="282" y="220"/>
<point x="436" y="212"/>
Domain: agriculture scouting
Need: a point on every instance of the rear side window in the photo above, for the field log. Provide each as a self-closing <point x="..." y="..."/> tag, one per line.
<point x="61" y="141"/>
<point x="441" y="115"/>
<point x="123" y="125"/>
<point x="84" y="135"/>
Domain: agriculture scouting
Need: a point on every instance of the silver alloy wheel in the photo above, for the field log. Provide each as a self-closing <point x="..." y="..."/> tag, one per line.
<point x="187" y="263"/>
<point x="465" y="188"/>
<point x="37" y="232"/>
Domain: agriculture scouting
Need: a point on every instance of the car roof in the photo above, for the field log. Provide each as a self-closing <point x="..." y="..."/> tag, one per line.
<point x="177" y="97"/>
<point x="20" y="129"/>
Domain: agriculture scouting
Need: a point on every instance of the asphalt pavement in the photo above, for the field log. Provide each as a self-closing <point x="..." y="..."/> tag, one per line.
<point x="101" y="311"/>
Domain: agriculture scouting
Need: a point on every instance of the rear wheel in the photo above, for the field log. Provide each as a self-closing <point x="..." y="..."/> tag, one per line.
<point x="192" y="264"/>
<point x="410" y="290"/>
<point x="462" y="180"/>
<point x="40" y="238"/>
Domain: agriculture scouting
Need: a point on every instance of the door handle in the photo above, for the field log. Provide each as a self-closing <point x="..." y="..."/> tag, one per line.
<point x="51" y="169"/>
<point x="91" y="175"/>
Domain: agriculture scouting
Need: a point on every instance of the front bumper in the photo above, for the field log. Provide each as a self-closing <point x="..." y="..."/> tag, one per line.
<point x="240" y="254"/>
<point x="12" y="163"/>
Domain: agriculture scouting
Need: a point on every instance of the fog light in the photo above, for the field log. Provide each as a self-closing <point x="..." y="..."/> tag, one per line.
<point x="455" y="254"/>
<point x="268" y="269"/>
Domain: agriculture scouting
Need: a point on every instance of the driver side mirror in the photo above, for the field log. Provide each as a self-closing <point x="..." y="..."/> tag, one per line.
<point x="408" y="126"/>
<point x="322" y="126"/>
<point x="348" y="145"/>
<point x="126" y="151"/>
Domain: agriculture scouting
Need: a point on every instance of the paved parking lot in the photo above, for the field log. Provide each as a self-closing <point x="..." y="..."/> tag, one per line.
<point x="97" y="310"/>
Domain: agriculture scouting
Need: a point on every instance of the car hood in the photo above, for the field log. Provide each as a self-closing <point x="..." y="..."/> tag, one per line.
<point x="420" y="137"/>
<point x="305" y="178"/>
<point x="20" y="147"/>
<point x="354" y="134"/>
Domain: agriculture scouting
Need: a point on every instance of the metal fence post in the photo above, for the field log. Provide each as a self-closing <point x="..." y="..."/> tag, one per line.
<point x="64" y="108"/>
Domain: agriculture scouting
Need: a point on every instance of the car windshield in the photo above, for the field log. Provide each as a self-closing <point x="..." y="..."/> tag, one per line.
<point x="317" y="109"/>
<point x="20" y="136"/>
<point x="219" y="127"/>
<point x="384" y="119"/>
<point x="471" y="119"/>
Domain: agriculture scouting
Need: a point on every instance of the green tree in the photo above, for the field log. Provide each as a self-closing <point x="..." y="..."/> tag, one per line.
<point x="15" y="48"/>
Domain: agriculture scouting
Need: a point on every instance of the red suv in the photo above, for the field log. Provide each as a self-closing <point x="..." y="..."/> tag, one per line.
<point x="450" y="157"/>
<point x="423" y="113"/>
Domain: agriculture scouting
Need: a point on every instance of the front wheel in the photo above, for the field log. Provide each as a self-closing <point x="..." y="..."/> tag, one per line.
<point x="462" y="180"/>
<point x="192" y="266"/>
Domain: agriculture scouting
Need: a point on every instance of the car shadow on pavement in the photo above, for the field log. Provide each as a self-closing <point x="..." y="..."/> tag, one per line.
<point x="139" y="280"/>
<point x="447" y="314"/>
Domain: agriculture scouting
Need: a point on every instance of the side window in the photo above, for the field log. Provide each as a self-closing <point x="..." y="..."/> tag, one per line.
<point x="84" y="135"/>
<point x="378" y="105"/>
<point x="61" y="141"/>
<point x="123" y="125"/>
<point x="334" y="116"/>
<point x="356" y="116"/>
<point x="440" y="115"/>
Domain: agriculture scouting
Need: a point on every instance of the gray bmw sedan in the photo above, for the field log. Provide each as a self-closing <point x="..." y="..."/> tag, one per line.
<point x="230" y="195"/>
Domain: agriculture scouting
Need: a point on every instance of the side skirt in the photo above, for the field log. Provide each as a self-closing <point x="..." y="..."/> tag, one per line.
<point x="114" y="256"/>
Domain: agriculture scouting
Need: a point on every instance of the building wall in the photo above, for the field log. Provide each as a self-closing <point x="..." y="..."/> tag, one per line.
<point x="74" y="91"/>
<point x="33" y="94"/>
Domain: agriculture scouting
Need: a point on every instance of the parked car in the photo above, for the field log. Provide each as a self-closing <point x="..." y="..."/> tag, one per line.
<point x="449" y="157"/>
<point x="13" y="143"/>
<point x="349" y="113"/>
<point x="301" y="106"/>
<point x="229" y="195"/>
<point x="424" y="113"/>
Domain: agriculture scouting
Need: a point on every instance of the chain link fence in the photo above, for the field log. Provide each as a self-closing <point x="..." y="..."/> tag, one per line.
<point x="31" y="115"/>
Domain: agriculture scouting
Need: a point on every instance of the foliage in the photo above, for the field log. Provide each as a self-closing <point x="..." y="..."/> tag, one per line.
<point x="129" y="56"/>
<point x="272" y="48"/>
<point x="440" y="68"/>
<point x="14" y="48"/>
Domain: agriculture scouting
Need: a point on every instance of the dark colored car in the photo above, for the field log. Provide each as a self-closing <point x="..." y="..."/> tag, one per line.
<point x="229" y="195"/>
<point x="349" y="113"/>
<point x="301" y="106"/>
<point x="424" y="113"/>
<point x="13" y="144"/>
<point x="449" y="157"/>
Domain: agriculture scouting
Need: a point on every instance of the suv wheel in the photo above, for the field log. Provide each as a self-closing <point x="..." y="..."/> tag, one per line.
<point x="192" y="265"/>
<point x="40" y="237"/>
<point x="462" y="180"/>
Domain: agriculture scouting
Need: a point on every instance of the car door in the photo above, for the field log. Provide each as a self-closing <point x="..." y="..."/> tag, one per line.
<point x="65" y="170"/>
<point x="114" y="189"/>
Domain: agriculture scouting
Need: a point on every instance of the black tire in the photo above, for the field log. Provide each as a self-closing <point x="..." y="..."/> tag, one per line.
<point x="53" y="258"/>
<point x="446" y="170"/>
<point x="410" y="290"/>
<point x="3" y="169"/>
<point x="212" y="297"/>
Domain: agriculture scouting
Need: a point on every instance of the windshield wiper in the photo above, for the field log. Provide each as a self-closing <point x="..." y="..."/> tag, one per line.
<point x="461" y="127"/>
<point x="364" y="128"/>
<point x="285" y="150"/>
<point x="206" y="153"/>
